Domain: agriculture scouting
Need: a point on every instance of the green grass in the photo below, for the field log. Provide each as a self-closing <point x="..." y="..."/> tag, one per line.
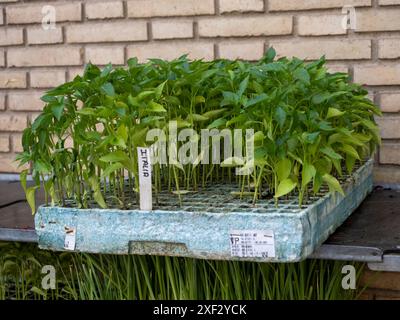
<point x="88" y="276"/>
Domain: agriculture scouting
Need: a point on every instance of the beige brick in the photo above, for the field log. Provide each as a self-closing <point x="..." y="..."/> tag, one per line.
<point x="2" y="101"/>
<point x="320" y="25"/>
<point x="241" y="5"/>
<point x="38" y="35"/>
<point x="333" y="68"/>
<point x="380" y="280"/>
<point x="377" y="74"/>
<point x="12" y="79"/>
<point x="11" y="36"/>
<point x="390" y="101"/>
<point x="386" y="174"/>
<point x="104" y="10"/>
<point x="378" y="20"/>
<point x="285" y="5"/>
<point x="390" y="127"/>
<point x="246" y="50"/>
<point x="170" y="29"/>
<point x="99" y="127"/>
<point x="7" y="1"/>
<point x="245" y="26"/>
<point x="46" y="78"/>
<point x="25" y="101"/>
<point x="44" y="56"/>
<point x="2" y="61"/>
<point x="32" y="116"/>
<point x="332" y="49"/>
<point x="9" y="165"/>
<point x="16" y="141"/>
<point x="389" y="48"/>
<point x="12" y="122"/>
<point x="388" y="2"/>
<point x="389" y="153"/>
<point x="365" y="295"/>
<point x="107" y="32"/>
<point x="371" y="95"/>
<point x="387" y="295"/>
<point x="104" y="55"/>
<point x="32" y="12"/>
<point x="166" y="8"/>
<point x="4" y="142"/>
<point x="69" y="143"/>
<point x="1" y="17"/>
<point x="73" y="72"/>
<point x="172" y="50"/>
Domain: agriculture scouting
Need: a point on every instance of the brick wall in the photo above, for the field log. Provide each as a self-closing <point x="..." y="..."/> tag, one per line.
<point x="379" y="285"/>
<point x="33" y="59"/>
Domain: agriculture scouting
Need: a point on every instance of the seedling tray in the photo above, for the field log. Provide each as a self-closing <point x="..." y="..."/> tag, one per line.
<point x="210" y="224"/>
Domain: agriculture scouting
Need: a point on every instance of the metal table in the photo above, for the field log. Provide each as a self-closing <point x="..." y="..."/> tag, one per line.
<point x="371" y="234"/>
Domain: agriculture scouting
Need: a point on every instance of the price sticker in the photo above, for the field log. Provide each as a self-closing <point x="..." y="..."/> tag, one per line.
<point x="252" y="243"/>
<point x="70" y="239"/>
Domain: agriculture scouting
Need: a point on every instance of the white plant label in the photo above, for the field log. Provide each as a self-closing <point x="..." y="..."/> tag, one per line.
<point x="252" y="243"/>
<point x="70" y="239"/>
<point x="145" y="191"/>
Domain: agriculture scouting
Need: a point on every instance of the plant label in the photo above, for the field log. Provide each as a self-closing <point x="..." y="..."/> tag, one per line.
<point x="70" y="239"/>
<point x="145" y="191"/>
<point x="252" y="243"/>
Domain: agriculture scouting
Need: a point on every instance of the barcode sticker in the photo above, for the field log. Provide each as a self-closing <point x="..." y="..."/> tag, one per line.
<point x="145" y="191"/>
<point x="252" y="243"/>
<point x="70" y="239"/>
